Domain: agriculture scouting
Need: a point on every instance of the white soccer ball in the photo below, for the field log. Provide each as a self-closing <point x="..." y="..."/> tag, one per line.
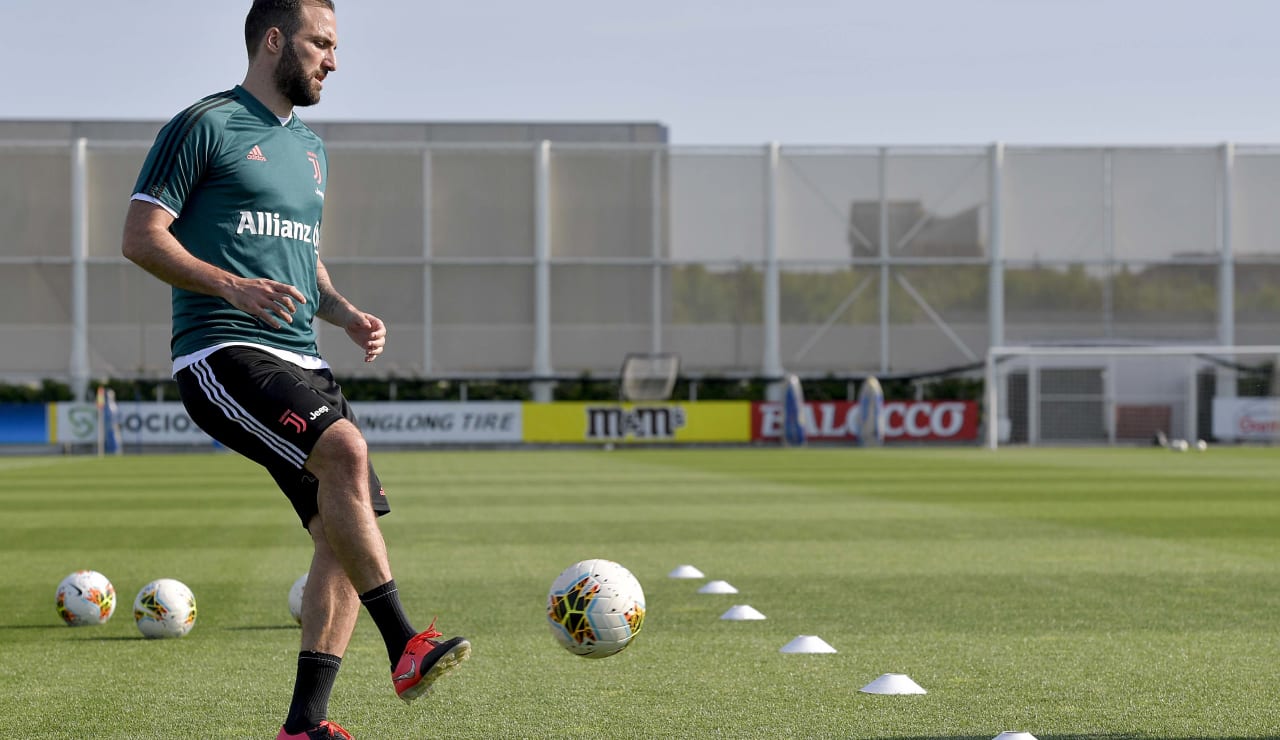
<point x="295" y="598"/>
<point x="1179" y="445"/>
<point x="164" y="608"/>
<point x="84" y="598"/>
<point x="595" y="608"/>
<point x="1202" y="445"/>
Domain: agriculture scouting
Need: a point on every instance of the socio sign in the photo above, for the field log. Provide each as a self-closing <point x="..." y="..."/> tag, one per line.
<point x="144" y="422"/>
<point x="904" y="421"/>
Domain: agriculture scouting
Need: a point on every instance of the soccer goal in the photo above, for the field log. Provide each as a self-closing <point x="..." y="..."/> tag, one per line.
<point x="648" y="377"/>
<point x="1110" y="395"/>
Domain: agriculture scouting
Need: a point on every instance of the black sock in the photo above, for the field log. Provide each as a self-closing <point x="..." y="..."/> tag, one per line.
<point x="383" y="604"/>
<point x="311" y="689"/>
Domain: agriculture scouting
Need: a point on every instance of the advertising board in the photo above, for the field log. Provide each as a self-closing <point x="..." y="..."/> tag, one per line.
<point x="383" y="422"/>
<point x="1246" y="419"/>
<point x="904" y="421"/>
<point x="637" y="423"/>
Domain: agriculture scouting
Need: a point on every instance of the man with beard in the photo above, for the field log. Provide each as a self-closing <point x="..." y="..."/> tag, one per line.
<point x="227" y="210"/>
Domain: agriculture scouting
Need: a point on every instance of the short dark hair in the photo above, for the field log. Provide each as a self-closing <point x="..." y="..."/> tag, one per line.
<point x="285" y="15"/>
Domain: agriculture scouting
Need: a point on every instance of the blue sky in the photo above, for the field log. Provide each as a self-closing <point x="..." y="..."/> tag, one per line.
<point x="714" y="71"/>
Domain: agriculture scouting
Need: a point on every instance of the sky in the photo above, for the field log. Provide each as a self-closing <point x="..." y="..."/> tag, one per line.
<point x="736" y="72"/>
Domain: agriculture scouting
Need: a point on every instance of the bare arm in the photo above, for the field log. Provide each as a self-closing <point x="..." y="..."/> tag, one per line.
<point x="148" y="243"/>
<point x="365" y="329"/>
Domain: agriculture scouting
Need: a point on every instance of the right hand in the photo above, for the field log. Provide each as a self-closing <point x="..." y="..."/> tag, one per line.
<point x="265" y="300"/>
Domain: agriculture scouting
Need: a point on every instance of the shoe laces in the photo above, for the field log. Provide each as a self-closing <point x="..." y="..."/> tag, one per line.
<point x="334" y="730"/>
<point x="427" y="634"/>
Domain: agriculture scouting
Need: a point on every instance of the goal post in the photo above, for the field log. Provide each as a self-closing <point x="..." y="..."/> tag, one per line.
<point x="648" y="377"/>
<point x="1125" y="394"/>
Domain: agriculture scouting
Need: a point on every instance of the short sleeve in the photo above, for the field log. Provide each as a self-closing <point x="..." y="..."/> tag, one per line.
<point x="182" y="153"/>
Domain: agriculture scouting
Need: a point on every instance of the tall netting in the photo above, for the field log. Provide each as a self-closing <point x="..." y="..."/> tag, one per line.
<point x="1170" y="395"/>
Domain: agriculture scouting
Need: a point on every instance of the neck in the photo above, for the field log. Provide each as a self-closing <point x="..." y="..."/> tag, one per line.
<point x="264" y="89"/>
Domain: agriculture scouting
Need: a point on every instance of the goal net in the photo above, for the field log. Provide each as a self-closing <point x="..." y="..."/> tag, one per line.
<point x="648" y="377"/>
<point x="1108" y="395"/>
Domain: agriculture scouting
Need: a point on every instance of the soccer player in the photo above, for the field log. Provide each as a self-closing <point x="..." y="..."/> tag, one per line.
<point x="227" y="210"/>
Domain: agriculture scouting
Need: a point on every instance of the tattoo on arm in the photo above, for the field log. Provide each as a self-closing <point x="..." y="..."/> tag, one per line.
<point x="330" y="303"/>
<point x="333" y="307"/>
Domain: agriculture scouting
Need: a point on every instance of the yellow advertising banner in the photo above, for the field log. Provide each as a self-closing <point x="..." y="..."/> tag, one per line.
<point x="637" y="423"/>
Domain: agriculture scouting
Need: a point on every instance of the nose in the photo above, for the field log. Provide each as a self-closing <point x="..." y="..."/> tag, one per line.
<point x="330" y="62"/>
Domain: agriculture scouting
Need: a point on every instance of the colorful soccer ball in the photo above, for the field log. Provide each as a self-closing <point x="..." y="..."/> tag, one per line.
<point x="295" y="598"/>
<point x="595" y="608"/>
<point x="164" y="608"/>
<point x="86" y="597"/>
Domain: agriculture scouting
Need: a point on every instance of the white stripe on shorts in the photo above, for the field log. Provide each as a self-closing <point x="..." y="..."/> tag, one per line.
<point x="218" y="396"/>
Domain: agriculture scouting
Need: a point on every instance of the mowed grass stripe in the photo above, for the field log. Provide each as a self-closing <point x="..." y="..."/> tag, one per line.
<point x="1073" y="593"/>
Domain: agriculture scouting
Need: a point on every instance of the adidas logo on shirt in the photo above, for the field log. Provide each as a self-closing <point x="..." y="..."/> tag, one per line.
<point x="256" y="154"/>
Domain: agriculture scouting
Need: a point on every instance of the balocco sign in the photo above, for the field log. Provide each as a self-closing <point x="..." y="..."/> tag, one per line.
<point x="904" y="421"/>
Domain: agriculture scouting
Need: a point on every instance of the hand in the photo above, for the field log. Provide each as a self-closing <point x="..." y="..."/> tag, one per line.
<point x="265" y="299"/>
<point x="369" y="334"/>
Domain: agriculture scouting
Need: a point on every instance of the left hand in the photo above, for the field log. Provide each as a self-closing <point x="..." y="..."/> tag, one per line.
<point x="369" y="334"/>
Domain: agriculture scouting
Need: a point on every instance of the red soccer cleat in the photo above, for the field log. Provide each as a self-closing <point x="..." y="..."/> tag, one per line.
<point x="326" y="730"/>
<point x="425" y="660"/>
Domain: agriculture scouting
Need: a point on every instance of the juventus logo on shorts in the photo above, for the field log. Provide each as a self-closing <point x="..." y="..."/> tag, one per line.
<point x="290" y="419"/>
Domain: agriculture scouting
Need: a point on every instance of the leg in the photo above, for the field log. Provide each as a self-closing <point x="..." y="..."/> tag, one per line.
<point x="340" y="462"/>
<point x="330" y="605"/>
<point x="348" y="524"/>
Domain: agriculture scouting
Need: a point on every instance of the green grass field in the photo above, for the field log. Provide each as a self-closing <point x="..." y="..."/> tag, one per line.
<point x="1067" y="593"/>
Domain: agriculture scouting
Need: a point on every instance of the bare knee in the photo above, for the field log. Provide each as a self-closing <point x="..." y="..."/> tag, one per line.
<point x="340" y="451"/>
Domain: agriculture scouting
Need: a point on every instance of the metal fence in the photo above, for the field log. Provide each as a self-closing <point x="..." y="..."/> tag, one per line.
<point x="541" y="259"/>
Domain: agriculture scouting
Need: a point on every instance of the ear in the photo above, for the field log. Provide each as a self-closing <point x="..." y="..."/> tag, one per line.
<point x="273" y="41"/>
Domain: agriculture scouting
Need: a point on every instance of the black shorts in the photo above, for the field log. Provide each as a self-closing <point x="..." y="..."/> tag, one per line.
<point x="272" y="412"/>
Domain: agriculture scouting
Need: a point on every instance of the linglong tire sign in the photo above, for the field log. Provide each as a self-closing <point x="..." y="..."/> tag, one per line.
<point x="904" y="421"/>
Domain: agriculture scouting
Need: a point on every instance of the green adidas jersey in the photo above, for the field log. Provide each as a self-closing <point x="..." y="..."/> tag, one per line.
<point x="249" y="193"/>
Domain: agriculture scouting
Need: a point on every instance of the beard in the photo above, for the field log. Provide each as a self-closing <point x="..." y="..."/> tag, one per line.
<point x="292" y="81"/>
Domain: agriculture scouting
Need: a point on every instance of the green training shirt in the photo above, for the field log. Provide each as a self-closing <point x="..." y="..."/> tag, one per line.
<point x="249" y="193"/>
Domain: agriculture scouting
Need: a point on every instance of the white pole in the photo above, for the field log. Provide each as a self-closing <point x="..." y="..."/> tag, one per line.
<point x="428" y="319"/>
<point x="1226" y="275"/>
<point x="1109" y="374"/>
<point x="657" y="205"/>
<point x="772" y="361"/>
<point x="1226" y="377"/>
<point x="993" y="402"/>
<point x="1193" y="405"/>
<point x="884" y="260"/>
<point x="1033" y="401"/>
<point x="79" y="369"/>
<point x="997" y="386"/>
<point x="542" y="273"/>
<point x="1109" y="237"/>
<point x="995" y="248"/>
